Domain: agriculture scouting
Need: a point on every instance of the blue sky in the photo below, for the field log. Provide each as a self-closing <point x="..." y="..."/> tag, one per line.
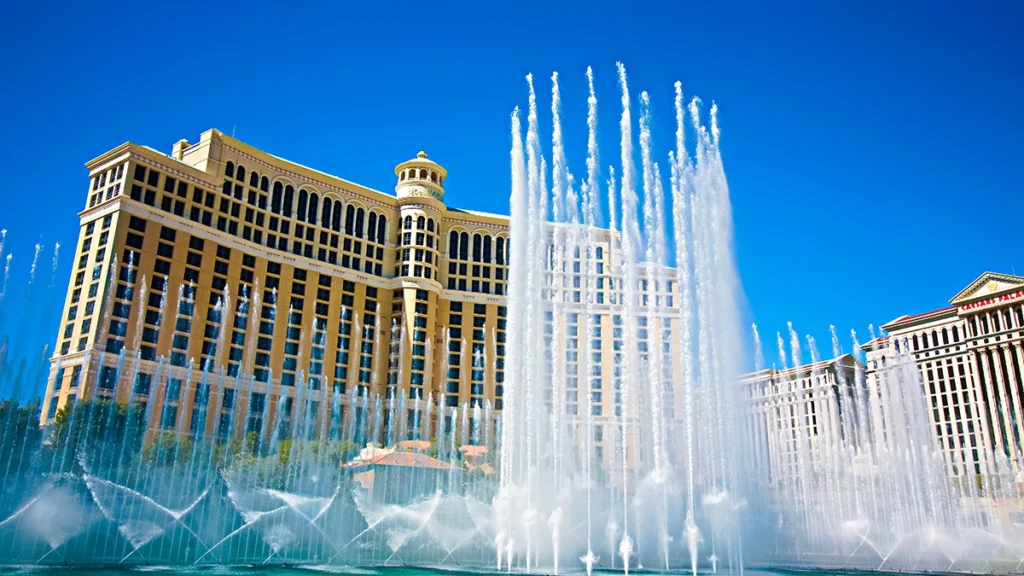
<point x="851" y="131"/>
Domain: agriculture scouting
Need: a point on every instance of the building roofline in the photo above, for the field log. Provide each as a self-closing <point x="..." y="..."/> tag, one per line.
<point x="965" y="296"/>
<point x="298" y="169"/>
<point x="907" y="320"/>
<point x="767" y="373"/>
<point x="109" y="154"/>
<point x="874" y="343"/>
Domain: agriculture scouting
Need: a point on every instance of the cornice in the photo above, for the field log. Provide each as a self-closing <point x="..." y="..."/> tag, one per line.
<point x="368" y="194"/>
<point x="108" y="155"/>
<point x="422" y="203"/>
<point x="117" y="156"/>
<point x="174" y="167"/>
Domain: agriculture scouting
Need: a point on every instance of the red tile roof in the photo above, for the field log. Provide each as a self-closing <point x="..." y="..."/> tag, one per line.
<point x="905" y="318"/>
<point x="404" y="459"/>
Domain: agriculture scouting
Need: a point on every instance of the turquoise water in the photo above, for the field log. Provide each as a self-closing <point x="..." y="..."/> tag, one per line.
<point x="331" y="570"/>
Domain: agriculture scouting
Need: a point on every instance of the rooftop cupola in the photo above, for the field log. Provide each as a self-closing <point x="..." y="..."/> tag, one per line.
<point x="420" y="177"/>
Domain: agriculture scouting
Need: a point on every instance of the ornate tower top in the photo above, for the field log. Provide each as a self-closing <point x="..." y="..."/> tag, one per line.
<point x="420" y="177"/>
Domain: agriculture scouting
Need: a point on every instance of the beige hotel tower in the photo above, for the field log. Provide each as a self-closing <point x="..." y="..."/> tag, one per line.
<point x="222" y="257"/>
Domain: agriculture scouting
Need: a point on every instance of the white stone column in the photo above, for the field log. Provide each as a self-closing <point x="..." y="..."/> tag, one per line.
<point x="975" y="402"/>
<point x="1015" y="386"/>
<point x="981" y="370"/>
<point x="1004" y="398"/>
<point x="1009" y="394"/>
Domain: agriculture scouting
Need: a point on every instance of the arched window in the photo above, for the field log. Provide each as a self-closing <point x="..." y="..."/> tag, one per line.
<point x="924" y="340"/>
<point x="453" y="245"/>
<point x="401" y="177"/>
<point x="314" y="202"/>
<point x="935" y="337"/>
<point x="359" y="222"/>
<point x="300" y="212"/>
<point x="408" y="222"/>
<point x="421" y="223"/>
<point x="325" y="214"/>
<point x="275" y="198"/>
<point x="423" y="174"/>
<point x="371" y="226"/>
<point x="433" y="177"/>
<point x="350" y="219"/>
<point x="914" y="340"/>
<point x="336" y="217"/>
<point x="945" y="336"/>
<point x="956" y="334"/>
<point x="264" y="183"/>
<point x="254" y="179"/>
<point x="289" y="195"/>
<point x="464" y="246"/>
<point x="229" y="169"/>
<point x="382" y="223"/>
<point x="487" y="249"/>
<point x="430" y="224"/>
<point x="499" y="250"/>
<point x="508" y="250"/>
<point x="600" y="253"/>
<point x="477" y="241"/>
<point x="240" y="173"/>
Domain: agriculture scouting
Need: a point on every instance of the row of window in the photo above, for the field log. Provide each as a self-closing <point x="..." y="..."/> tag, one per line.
<point x="216" y="317"/>
<point x="1011" y="318"/>
<point x="421" y="174"/>
<point x="241" y="214"/>
<point x="99" y="261"/>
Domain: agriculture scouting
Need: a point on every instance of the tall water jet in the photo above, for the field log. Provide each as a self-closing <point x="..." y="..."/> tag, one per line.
<point x="555" y="524"/>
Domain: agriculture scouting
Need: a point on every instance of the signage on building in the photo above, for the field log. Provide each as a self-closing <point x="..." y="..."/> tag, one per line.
<point x="992" y="301"/>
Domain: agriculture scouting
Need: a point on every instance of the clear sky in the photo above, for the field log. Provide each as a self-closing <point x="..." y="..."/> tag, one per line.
<point x="872" y="148"/>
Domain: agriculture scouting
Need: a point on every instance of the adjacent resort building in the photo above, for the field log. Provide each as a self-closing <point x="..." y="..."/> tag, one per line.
<point x="969" y="360"/>
<point x="222" y="259"/>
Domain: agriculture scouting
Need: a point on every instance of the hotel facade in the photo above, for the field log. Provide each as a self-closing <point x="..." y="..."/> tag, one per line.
<point x="967" y="359"/>
<point x="971" y="359"/>
<point x="222" y="263"/>
<point x="794" y="415"/>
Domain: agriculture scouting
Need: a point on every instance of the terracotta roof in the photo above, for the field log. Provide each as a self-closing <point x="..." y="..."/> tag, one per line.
<point x="471" y="450"/>
<point x="871" y="344"/>
<point x="404" y="459"/>
<point x="905" y="318"/>
<point x="416" y="445"/>
<point x="485" y="468"/>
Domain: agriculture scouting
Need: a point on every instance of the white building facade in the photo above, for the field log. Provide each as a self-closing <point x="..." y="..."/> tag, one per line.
<point x="971" y="359"/>
<point x="797" y="417"/>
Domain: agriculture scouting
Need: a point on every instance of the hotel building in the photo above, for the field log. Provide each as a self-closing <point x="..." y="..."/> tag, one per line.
<point x="970" y="359"/>
<point x="222" y="259"/>
<point x="971" y="362"/>
<point x="793" y="415"/>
